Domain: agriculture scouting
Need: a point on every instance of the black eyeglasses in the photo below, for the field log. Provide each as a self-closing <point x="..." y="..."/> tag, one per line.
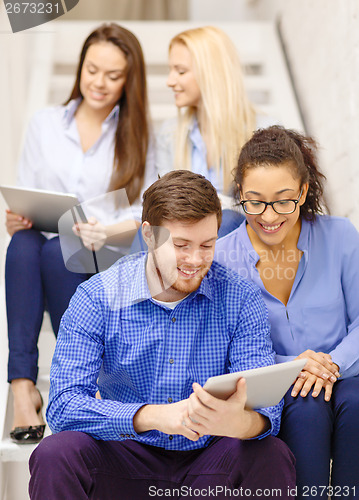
<point x="281" y="207"/>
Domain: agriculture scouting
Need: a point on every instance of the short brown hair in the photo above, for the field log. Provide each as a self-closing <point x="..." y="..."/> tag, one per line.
<point x="180" y="195"/>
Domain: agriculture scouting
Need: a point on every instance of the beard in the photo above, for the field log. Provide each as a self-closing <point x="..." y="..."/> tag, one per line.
<point x="189" y="285"/>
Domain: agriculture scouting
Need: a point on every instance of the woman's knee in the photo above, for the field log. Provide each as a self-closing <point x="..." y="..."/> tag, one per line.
<point x="52" y="260"/>
<point x="51" y="252"/>
<point x="307" y="421"/>
<point x="25" y="245"/>
<point x="346" y="398"/>
<point x="307" y="410"/>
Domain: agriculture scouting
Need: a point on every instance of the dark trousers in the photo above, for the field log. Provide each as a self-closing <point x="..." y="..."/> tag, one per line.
<point x="36" y="278"/>
<point x="72" y="465"/>
<point x="316" y="431"/>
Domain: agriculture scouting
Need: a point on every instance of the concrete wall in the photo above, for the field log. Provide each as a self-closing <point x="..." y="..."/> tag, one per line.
<point x="322" y="39"/>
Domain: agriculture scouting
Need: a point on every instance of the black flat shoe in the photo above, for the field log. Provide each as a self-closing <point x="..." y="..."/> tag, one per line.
<point x="28" y="435"/>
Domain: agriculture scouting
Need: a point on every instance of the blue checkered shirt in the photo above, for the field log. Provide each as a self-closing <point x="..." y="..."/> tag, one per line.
<point x="116" y="339"/>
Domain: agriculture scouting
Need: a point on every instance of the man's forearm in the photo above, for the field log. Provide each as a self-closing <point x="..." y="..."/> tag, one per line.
<point x="146" y="418"/>
<point x="167" y="418"/>
<point x="255" y="424"/>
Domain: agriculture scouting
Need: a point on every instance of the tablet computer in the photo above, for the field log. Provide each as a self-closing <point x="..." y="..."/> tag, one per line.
<point x="43" y="208"/>
<point x="265" y="386"/>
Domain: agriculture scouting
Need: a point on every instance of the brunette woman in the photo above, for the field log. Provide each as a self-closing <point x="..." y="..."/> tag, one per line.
<point x="94" y="144"/>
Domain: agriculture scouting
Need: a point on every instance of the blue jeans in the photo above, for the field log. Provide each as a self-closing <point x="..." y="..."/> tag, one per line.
<point x="35" y="278"/>
<point x="316" y="431"/>
<point x="230" y="221"/>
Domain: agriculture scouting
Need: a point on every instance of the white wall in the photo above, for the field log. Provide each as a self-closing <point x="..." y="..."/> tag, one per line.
<point x="233" y="10"/>
<point x="14" y="49"/>
<point x="322" y="38"/>
<point x="14" y="70"/>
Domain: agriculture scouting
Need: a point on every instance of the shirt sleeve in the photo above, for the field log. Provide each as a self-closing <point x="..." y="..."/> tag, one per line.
<point x="346" y="353"/>
<point x="74" y="372"/>
<point x="31" y="154"/>
<point x="251" y="347"/>
<point x="280" y="358"/>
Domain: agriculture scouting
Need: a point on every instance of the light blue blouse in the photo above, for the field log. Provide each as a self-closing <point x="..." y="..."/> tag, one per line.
<point x="322" y="312"/>
<point x="165" y="152"/>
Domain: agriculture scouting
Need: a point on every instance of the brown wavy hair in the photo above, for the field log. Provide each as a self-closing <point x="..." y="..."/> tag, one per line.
<point x="132" y="134"/>
<point x="276" y="145"/>
<point x="180" y="195"/>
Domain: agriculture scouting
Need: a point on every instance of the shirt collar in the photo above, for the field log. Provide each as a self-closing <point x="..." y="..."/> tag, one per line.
<point x="139" y="286"/>
<point x="140" y="290"/>
<point x="113" y="115"/>
<point x="303" y="241"/>
<point x="205" y="288"/>
<point x="193" y="125"/>
<point x="246" y="242"/>
<point x="195" y="136"/>
<point x="70" y="110"/>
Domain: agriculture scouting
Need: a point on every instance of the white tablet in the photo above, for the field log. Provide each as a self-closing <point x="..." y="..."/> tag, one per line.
<point x="265" y="386"/>
<point x="43" y="208"/>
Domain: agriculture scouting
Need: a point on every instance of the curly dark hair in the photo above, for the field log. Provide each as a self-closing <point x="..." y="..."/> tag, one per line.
<point x="276" y="145"/>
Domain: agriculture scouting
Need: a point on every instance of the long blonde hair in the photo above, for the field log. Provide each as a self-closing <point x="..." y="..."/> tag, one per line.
<point x="226" y="114"/>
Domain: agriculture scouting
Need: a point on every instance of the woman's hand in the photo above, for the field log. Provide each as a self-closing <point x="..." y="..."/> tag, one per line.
<point x="93" y="233"/>
<point x="307" y="380"/>
<point x="16" y="222"/>
<point x="320" y="364"/>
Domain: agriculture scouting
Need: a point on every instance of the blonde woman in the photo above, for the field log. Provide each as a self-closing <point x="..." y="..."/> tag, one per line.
<point x="215" y="116"/>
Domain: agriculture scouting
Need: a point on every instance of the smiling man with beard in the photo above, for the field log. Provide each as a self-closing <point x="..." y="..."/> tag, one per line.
<point x="146" y="334"/>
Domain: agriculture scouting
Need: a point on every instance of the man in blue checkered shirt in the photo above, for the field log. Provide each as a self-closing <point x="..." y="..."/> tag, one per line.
<point x="146" y="334"/>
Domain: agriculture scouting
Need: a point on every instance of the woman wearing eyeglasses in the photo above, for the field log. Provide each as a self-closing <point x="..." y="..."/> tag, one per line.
<point x="307" y="267"/>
